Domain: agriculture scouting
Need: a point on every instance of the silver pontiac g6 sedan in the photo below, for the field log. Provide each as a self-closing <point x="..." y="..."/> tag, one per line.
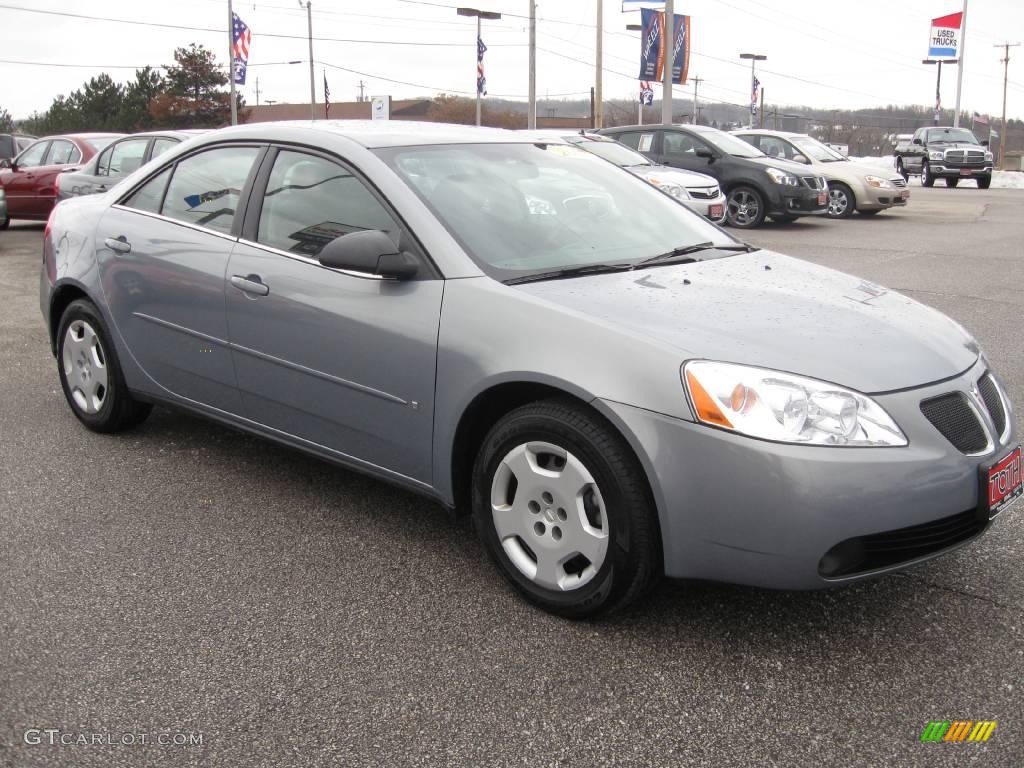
<point x="615" y="388"/>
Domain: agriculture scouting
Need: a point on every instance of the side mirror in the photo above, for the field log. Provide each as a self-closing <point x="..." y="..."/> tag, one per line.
<point x="369" y="251"/>
<point x="704" y="152"/>
<point x="916" y="141"/>
<point x="984" y="143"/>
<point x="801" y="159"/>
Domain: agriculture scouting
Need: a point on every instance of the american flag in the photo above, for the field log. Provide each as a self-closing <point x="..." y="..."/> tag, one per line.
<point x="981" y="119"/>
<point x="753" y="96"/>
<point x="481" y="81"/>
<point x="241" y="37"/>
<point x="327" y="98"/>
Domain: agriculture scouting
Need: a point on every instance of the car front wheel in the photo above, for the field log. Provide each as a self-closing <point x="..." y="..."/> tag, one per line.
<point x="927" y="180"/>
<point x="744" y="208"/>
<point x="840" y="201"/>
<point x="562" y="507"/>
<point x="90" y="374"/>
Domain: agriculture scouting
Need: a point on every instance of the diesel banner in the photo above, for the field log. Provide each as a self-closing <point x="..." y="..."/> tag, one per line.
<point x="652" y="46"/>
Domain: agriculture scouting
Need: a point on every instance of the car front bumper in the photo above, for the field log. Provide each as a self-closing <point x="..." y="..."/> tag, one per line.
<point x="749" y="511"/>
<point x="949" y="171"/>
<point x="878" y="199"/>
<point x="707" y="208"/>
<point x="796" y="201"/>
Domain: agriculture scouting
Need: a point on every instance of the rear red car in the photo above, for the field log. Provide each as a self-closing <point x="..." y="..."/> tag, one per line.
<point x="30" y="180"/>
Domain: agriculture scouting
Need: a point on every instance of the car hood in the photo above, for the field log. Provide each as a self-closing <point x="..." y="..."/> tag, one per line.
<point x="670" y="175"/>
<point x="935" y="145"/>
<point x="777" y="312"/>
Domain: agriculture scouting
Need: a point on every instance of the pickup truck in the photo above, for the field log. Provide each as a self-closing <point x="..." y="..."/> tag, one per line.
<point x="945" y="153"/>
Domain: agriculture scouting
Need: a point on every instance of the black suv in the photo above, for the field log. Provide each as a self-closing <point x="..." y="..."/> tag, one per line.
<point x="755" y="185"/>
<point x="945" y="153"/>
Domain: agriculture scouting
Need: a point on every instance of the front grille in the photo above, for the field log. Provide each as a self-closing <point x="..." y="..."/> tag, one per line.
<point x="898" y="181"/>
<point x="705" y="193"/>
<point x="882" y="550"/>
<point x="970" y="157"/>
<point x="814" y="182"/>
<point x="953" y="417"/>
<point x="993" y="402"/>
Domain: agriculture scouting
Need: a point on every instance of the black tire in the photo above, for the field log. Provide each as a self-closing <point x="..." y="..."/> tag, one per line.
<point x="738" y="202"/>
<point x="951" y="181"/>
<point x="5" y="223"/>
<point x="632" y="562"/>
<point x="901" y="170"/>
<point x="927" y="180"/>
<point x="119" y="410"/>
<point x="984" y="182"/>
<point x="841" y="202"/>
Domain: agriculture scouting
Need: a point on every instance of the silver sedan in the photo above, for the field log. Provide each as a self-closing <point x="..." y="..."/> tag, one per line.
<point x="612" y="386"/>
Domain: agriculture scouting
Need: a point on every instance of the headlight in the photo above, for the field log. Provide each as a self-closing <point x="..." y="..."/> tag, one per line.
<point x="935" y="156"/>
<point x="672" y="189"/>
<point x="786" y="408"/>
<point x="878" y="182"/>
<point x="781" y="177"/>
<point x="989" y="157"/>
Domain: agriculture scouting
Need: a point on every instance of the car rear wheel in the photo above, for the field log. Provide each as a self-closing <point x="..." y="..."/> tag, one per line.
<point x="984" y="182"/>
<point x="90" y="374"/>
<point x="562" y="507"/>
<point x="952" y="181"/>
<point x="840" y="200"/>
<point x="744" y="208"/>
<point x="927" y="180"/>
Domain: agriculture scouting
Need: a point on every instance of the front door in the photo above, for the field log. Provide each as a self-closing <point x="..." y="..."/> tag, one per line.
<point x="342" y="360"/>
<point x="20" y="183"/>
<point x="163" y="253"/>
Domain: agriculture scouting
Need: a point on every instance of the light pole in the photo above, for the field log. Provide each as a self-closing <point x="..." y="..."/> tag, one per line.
<point x="478" y="14"/>
<point x="231" y="63"/>
<point x="754" y="58"/>
<point x="531" y="109"/>
<point x="640" y="108"/>
<point x="308" y="5"/>
<point x="938" y="84"/>
<point x="669" y="49"/>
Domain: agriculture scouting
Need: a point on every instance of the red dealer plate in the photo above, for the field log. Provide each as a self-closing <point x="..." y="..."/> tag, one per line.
<point x="715" y="212"/>
<point x="905" y="194"/>
<point x="965" y="171"/>
<point x="1002" y="483"/>
<point x="822" y="197"/>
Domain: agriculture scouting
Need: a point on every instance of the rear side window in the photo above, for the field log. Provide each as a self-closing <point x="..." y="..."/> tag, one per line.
<point x="162" y="145"/>
<point x="123" y="158"/>
<point x="149" y="196"/>
<point x="310" y="201"/>
<point x="62" y="153"/>
<point x="205" y="188"/>
<point x="638" y="140"/>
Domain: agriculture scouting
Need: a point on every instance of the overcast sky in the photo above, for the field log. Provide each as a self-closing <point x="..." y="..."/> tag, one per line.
<point x="839" y="54"/>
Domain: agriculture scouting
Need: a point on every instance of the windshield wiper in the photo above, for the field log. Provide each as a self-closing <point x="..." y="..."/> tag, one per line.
<point x="686" y="250"/>
<point x="555" y="274"/>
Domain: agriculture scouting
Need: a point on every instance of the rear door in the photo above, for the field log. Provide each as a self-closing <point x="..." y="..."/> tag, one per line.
<point x="163" y="251"/>
<point x="20" y="183"/>
<point x="339" y="359"/>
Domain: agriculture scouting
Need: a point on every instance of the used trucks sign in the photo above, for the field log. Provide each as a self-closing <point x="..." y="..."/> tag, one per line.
<point x="944" y="37"/>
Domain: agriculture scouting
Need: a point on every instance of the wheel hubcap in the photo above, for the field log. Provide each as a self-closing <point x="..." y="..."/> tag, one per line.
<point x="743" y="207"/>
<point x="85" y="367"/>
<point x="549" y="516"/>
<point x="837" y="202"/>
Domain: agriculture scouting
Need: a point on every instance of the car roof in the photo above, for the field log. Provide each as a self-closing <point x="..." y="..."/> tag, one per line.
<point x="374" y="134"/>
<point x="566" y="134"/>
<point x="174" y="132"/>
<point x="769" y="132"/>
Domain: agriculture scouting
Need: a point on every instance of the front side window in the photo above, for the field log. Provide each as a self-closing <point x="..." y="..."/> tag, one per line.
<point x="310" y="201"/>
<point x="33" y="156"/>
<point x="675" y="143"/>
<point x="205" y="188"/>
<point x="521" y="209"/>
<point x="776" y="147"/>
<point x="123" y="158"/>
<point x="62" y="153"/>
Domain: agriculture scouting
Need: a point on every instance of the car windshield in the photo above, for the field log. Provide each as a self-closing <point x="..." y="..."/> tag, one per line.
<point x="521" y="209"/>
<point x="815" y="150"/>
<point x="950" y="135"/>
<point x="729" y="144"/>
<point x="612" y="151"/>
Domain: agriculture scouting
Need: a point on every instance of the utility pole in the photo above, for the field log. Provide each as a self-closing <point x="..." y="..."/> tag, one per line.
<point x="1006" y="73"/>
<point x="669" y="38"/>
<point x="960" y="67"/>
<point x="308" y="5"/>
<point x="760" y="120"/>
<point x="531" y="110"/>
<point x="231" y="63"/>
<point x="599" y="68"/>
<point x="696" y="109"/>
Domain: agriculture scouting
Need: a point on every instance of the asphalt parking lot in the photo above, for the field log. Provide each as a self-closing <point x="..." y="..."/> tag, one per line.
<point x="185" y="578"/>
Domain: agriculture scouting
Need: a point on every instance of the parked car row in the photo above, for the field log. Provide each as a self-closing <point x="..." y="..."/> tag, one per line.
<point x="613" y="387"/>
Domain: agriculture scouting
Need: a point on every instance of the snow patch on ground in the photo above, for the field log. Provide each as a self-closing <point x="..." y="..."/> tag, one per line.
<point x="1000" y="179"/>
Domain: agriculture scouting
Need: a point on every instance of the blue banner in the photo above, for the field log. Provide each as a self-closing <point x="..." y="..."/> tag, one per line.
<point x="650" y="44"/>
<point x="681" y="50"/>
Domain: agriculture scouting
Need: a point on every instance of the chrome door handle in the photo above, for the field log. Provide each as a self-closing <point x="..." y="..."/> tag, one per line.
<point x="119" y="244"/>
<point x="250" y="284"/>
